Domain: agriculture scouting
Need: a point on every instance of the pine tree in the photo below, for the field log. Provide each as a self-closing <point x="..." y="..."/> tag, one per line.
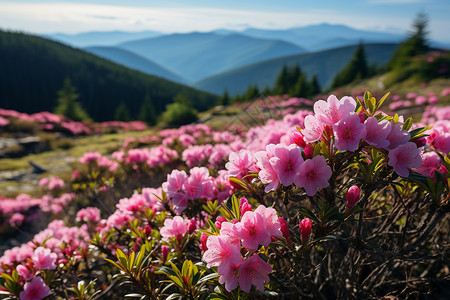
<point x="356" y="69"/>
<point x="122" y="113"/>
<point x="417" y="43"/>
<point x="301" y="87"/>
<point x="147" y="112"/>
<point x="282" y="82"/>
<point x="314" y="87"/>
<point x="68" y="105"/>
<point x="225" y="99"/>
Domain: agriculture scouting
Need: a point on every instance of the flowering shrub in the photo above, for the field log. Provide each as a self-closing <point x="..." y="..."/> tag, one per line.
<point x="340" y="202"/>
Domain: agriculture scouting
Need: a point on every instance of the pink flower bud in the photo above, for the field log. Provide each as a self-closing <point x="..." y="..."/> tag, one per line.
<point x="219" y="222"/>
<point x="362" y="117"/>
<point x="148" y="230"/>
<point x="137" y="245"/>
<point x="309" y="151"/>
<point x="164" y="252"/>
<point x="285" y="230"/>
<point x="420" y="142"/>
<point x="203" y="239"/>
<point x="297" y="137"/>
<point x="244" y="206"/>
<point x="192" y="226"/>
<point x="352" y="197"/>
<point x="305" y="229"/>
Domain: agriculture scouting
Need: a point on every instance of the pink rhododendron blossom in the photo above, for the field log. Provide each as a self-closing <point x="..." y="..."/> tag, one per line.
<point x="174" y="188"/>
<point x="375" y="134"/>
<point x="24" y="272"/>
<point x="164" y="252"/>
<point x="305" y="229"/>
<point x="348" y="132"/>
<point x="89" y="214"/>
<point x="228" y="276"/>
<point x="252" y="230"/>
<point x="222" y="251"/>
<point x="244" y="206"/>
<point x="253" y="271"/>
<point x="176" y="227"/>
<point x="35" y="290"/>
<point x="430" y="162"/>
<point x="333" y="110"/>
<point x="271" y="219"/>
<point x="203" y="240"/>
<point x="44" y="259"/>
<point x="298" y="138"/>
<point x="241" y="164"/>
<point x="199" y="183"/>
<point x="440" y="136"/>
<point x="314" y="174"/>
<point x="267" y="173"/>
<point x="89" y="157"/>
<point x="352" y="197"/>
<point x="403" y="157"/>
<point x="286" y="162"/>
<point x="397" y="136"/>
<point x="16" y="219"/>
<point x="313" y="129"/>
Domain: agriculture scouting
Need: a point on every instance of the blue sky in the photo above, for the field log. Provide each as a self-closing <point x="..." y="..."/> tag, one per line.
<point x="205" y="15"/>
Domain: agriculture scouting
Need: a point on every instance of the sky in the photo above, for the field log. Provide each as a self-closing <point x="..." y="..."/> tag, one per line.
<point x="71" y="16"/>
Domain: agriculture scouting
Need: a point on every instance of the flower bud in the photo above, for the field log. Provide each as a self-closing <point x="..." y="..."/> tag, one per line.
<point x="285" y="230"/>
<point x="352" y="197"/>
<point x="192" y="226"/>
<point x="203" y="239"/>
<point x="420" y="142"/>
<point x="244" y="206"/>
<point x="164" y="252"/>
<point x="297" y="138"/>
<point x="147" y="229"/>
<point x="309" y="151"/>
<point x="219" y="222"/>
<point x="137" y="245"/>
<point x="305" y="229"/>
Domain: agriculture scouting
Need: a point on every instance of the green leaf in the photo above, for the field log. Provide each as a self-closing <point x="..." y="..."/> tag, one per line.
<point x="408" y="123"/>
<point x="235" y="205"/>
<point x="167" y="271"/>
<point x="382" y="101"/>
<point x="396" y="119"/>
<point x="418" y="131"/>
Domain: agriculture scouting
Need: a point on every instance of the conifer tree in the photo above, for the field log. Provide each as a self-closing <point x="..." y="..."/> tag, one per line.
<point x="147" y="112"/>
<point x="68" y="105"/>
<point x="314" y="87"/>
<point x="356" y="69"/>
<point x="122" y="113"/>
<point x="225" y="99"/>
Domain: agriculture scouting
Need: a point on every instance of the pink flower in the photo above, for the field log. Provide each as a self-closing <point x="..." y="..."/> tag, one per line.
<point x="252" y="230"/>
<point x="44" y="259"/>
<point x="23" y="271"/>
<point x="16" y="219"/>
<point x="375" y="133"/>
<point x="421" y="100"/>
<point x="203" y="239"/>
<point x="305" y="229"/>
<point x="352" y="197"/>
<point x="287" y="162"/>
<point x="430" y="162"/>
<point x="267" y="173"/>
<point x="314" y="174"/>
<point x="89" y="214"/>
<point x="176" y="227"/>
<point x="222" y="250"/>
<point x="254" y="271"/>
<point x="403" y="157"/>
<point x="397" y="136"/>
<point x="35" y="290"/>
<point x="228" y="275"/>
<point x="174" y="188"/>
<point x="241" y="164"/>
<point x="348" y="132"/>
<point x="333" y="110"/>
<point x="297" y="138"/>
<point x="199" y="184"/>
<point x="244" y="206"/>
<point x="313" y="129"/>
<point x="270" y="216"/>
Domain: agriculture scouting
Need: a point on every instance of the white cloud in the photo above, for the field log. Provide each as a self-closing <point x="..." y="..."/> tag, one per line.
<point x="77" y="17"/>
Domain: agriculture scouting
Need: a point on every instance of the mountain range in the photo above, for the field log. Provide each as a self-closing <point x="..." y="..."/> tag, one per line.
<point x="33" y="69"/>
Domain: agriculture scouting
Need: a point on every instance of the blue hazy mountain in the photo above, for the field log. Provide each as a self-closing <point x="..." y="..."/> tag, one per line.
<point x="101" y="38"/>
<point x="135" y="61"/>
<point x="325" y="36"/>
<point x="199" y="55"/>
<point x="325" y="64"/>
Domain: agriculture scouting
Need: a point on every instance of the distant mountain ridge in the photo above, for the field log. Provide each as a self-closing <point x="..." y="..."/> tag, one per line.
<point x="135" y="62"/>
<point x="325" y="64"/>
<point x="33" y="69"/>
<point x="199" y="55"/>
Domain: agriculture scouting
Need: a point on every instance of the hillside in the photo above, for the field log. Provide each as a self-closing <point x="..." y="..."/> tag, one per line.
<point x="199" y="55"/>
<point x="135" y="62"/>
<point x="324" y="64"/>
<point x="101" y="38"/>
<point x="33" y="69"/>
